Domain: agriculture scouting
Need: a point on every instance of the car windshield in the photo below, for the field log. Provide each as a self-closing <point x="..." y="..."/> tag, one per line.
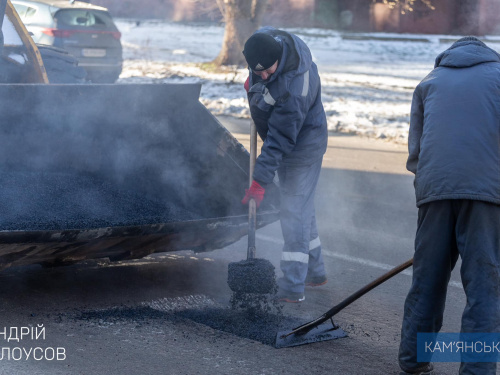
<point x="83" y="18"/>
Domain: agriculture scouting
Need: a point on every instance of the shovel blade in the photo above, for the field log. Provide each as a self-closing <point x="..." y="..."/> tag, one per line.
<point x="316" y="334"/>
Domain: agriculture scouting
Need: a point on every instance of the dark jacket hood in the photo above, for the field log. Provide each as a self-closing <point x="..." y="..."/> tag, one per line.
<point x="466" y="52"/>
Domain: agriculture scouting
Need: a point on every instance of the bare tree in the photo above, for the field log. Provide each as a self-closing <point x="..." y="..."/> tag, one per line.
<point x="242" y="18"/>
<point x="405" y="5"/>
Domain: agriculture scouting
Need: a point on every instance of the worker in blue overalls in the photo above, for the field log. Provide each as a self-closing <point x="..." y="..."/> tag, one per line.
<point x="284" y="95"/>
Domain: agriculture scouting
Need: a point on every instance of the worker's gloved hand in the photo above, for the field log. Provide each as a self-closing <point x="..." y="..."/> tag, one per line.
<point x="256" y="192"/>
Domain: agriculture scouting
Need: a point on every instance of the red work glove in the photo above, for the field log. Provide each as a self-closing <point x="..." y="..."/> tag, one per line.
<point x="256" y="192"/>
<point x="247" y="84"/>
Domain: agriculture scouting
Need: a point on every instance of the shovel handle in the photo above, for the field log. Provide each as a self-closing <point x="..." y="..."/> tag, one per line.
<point x="252" y="206"/>
<point x="252" y="222"/>
<point x="253" y="151"/>
<point x="304" y="328"/>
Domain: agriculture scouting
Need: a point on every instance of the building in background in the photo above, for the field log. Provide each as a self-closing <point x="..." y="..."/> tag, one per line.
<point x="464" y="17"/>
<point x="461" y="17"/>
<point x="295" y="13"/>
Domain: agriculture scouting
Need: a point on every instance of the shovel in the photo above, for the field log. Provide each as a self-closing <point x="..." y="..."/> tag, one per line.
<point x="252" y="275"/>
<point x="305" y="334"/>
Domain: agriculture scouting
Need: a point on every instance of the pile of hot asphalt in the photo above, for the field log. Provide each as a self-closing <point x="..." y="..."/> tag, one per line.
<point x="59" y="201"/>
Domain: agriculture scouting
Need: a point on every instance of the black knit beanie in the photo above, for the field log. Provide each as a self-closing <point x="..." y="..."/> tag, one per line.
<point x="262" y="51"/>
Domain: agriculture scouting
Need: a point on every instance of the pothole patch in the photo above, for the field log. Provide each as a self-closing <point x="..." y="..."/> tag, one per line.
<point x="253" y="322"/>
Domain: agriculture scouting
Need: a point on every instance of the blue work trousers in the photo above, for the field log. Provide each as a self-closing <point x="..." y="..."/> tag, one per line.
<point x="447" y="229"/>
<point x="301" y="255"/>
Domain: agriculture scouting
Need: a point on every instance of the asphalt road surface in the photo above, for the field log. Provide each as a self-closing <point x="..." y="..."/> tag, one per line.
<point x="115" y="318"/>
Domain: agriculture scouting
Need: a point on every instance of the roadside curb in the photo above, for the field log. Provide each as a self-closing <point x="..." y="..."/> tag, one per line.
<point x="384" y="38"/>
<point x="409" y="39"/>
<point x="452" y="40"/>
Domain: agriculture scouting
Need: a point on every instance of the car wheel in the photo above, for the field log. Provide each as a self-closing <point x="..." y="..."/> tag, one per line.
<point x="61" y="67"/>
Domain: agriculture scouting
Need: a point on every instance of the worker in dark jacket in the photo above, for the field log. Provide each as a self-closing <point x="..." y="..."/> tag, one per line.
<point x="454" y="151"/>
<point x="284" y="94"/>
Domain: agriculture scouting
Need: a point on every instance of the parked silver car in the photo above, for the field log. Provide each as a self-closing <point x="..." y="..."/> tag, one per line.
<point x="84" y="30"/>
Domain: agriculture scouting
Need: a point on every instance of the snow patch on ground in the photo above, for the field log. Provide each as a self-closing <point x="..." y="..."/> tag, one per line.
<point x="367" y="83"/>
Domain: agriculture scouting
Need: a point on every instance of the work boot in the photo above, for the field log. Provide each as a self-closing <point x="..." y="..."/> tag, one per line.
<point x="316" y="281"/>
<point x="291" y="297"/>
<point x="428" y="369"/>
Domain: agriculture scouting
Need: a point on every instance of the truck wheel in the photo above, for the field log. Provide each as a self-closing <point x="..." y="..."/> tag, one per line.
<point x="10" y="72"/>
<point x="61" y="67"/>
<point x="104" y="77"/>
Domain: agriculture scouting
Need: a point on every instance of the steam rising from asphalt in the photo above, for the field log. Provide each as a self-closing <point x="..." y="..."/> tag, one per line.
<point x="109" y="154"/>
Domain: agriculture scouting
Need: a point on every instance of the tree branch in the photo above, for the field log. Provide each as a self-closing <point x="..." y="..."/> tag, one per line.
<point x="405" y="5"/>
<point x="222" y="8"/>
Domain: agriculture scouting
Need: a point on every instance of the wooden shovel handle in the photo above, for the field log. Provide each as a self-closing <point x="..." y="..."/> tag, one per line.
<point x="252" y="206"/>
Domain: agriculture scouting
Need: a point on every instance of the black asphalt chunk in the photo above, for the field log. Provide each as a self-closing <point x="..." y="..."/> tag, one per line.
<point x="139" y="314"/>
<point x="59" y="201"/>
<point x="256" y="303"/>
<point x="252" y="276"/>
<point x="258" y="326"/>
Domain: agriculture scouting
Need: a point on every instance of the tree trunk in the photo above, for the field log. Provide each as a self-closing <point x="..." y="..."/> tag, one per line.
<point x="242" y="18"/>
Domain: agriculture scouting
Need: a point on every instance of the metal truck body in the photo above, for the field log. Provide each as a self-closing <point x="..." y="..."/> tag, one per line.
<point x="110" y="171"/>
<point x="157" y="143"/>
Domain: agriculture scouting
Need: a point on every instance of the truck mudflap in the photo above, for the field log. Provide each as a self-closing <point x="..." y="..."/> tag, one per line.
<point x="117" y="171"/>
